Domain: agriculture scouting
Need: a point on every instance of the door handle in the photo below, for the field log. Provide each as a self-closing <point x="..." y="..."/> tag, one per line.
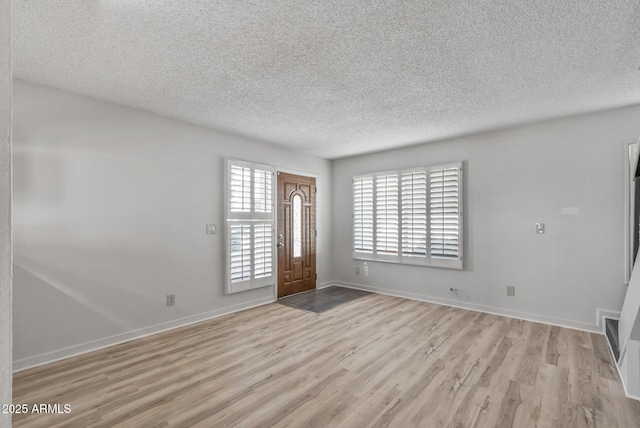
<point x="280" y="245"/>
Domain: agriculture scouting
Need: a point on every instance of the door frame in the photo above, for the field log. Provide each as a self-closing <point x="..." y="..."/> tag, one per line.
<point x="275" y="232"/>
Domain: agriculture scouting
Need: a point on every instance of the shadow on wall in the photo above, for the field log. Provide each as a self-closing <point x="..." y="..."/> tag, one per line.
<point x="55" y="308"/>
<point x="40" y="174"/>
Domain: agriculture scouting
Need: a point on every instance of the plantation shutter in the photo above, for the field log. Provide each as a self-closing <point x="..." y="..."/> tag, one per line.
<point x="414" y="213"/>
<point x="386" y="214"/>
<point x="445" y="213"/>
<point x="262" y="192"/>
<point x="411" y="216"/>
<point x="240" y="189"/>
<point x="250" y="224"/>
<point x="240" y="254"/>
<point x="262" y="250"/>
<point x="363" y="215"/>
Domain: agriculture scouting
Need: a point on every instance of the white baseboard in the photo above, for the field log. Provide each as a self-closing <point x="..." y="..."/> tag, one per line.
<point x="629" y="374"/>
<point x="619" y="370"/>
<point x="601" y="314"/>
<point x="475" y="307"/>
<point x="325" y="285"/>
<point x="83" y="348"/>
<point x="633" y="397"/>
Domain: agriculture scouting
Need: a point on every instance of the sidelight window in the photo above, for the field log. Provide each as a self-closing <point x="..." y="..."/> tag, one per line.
<point x="250" y="224"/>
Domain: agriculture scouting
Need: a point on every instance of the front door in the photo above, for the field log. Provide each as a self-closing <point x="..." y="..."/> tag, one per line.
<point x="296" y="234"/>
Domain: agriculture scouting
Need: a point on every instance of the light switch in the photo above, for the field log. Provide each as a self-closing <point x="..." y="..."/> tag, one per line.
<point x="211" y="229"/>
<point x="540" y="228"/>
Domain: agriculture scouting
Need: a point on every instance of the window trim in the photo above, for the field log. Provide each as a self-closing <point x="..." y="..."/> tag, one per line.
<point x="428" y="260"/>
<point x="252" y="218"/>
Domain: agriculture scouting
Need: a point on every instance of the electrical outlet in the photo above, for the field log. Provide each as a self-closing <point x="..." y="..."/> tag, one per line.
<point x="211" y="229"/>
<point x="357" y="270"/>
<point x="171" y="299"/>
<point x="365" y="269"/>
<point x="540" y="228"/>
<point x="511" y="290"/>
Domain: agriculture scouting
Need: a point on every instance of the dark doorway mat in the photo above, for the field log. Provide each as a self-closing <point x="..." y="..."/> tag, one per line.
<point x="322" y="300"/>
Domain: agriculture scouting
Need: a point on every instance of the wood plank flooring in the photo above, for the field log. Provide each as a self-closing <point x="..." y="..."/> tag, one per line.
<point x="378" y="361"/>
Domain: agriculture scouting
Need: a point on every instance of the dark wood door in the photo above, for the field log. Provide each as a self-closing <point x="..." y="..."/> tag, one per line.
<point x="296" y="234"/>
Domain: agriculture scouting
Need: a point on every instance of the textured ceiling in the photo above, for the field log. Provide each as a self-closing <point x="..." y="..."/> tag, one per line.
<point x="335" y="78"/>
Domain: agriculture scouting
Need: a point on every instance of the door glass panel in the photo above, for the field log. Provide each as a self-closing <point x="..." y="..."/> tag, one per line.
<point x="297" y="226"/>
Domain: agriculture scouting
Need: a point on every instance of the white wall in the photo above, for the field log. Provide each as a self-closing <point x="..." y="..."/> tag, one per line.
<point x="629" y="365"/>
<point x="629" y="334"/>
<point x="110" y="207"/>
<point x="629" y="326"/>
<point x="566" y="173"/>
<point x="5" y="208"/>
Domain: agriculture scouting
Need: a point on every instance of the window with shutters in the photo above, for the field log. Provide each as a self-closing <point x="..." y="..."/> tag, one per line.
<point x="410" y="216"/>
<point x="250" y="226"/>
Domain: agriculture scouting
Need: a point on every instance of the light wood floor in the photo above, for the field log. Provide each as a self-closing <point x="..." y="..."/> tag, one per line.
<point x="375" y="362"/>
